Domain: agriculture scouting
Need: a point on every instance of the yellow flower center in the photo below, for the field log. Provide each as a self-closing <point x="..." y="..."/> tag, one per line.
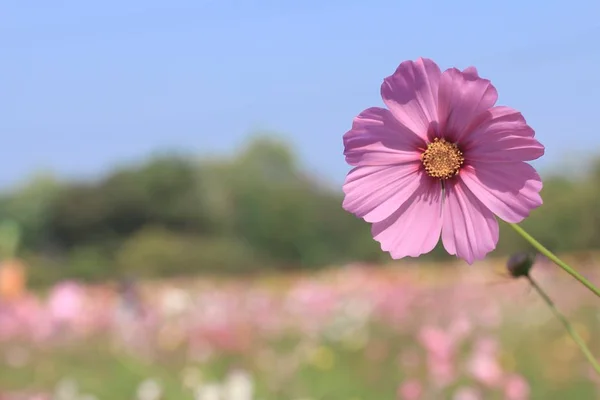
<point x="442" y="159"/>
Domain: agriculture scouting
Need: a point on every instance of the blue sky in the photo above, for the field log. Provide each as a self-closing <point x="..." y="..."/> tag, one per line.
<point x="87" y="85"/>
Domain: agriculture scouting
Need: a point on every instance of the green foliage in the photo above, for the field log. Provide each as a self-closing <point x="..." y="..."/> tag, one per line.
<point x="165" y="191"/>
<point x="10" y="235"/>
<point x="176" y="214"/>
<point x="160" y="252"/>
<point x="28" y="207"/>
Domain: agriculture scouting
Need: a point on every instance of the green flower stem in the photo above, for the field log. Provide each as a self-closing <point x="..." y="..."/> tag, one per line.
<point x="539" y="247"/>
<point x="572" y="332"/>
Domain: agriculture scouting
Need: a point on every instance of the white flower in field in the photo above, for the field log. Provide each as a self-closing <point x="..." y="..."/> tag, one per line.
<point x="239" y="386"/>
<point x="149" y="390"/>
<point x="209" y="391"/>
<point x="175" y="302"/>
<point x="66" y="389"/>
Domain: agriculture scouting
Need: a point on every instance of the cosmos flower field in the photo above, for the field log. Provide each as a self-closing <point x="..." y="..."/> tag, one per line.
<point x="356" y="332"/>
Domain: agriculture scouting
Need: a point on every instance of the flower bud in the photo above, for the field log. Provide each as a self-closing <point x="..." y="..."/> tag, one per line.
<point x="520" y="264"/>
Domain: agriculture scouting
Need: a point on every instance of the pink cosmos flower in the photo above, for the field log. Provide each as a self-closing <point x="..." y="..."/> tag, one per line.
<point x="483" y="364"/>
<point x="65" y="302"/>
<point x="410" y="390"/>
<point x="516" y="388"/>
<point x="441" y="160"/>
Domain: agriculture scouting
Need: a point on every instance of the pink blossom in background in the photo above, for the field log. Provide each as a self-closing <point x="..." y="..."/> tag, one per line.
<point x="460" y="328"/>
<point x="26" y="318"/>
<point x="8" y="324"/>
<point x="487" y="345"/>
<point x="440" y="355"/>
<point x="394" y="302"/>
<point x="439" y="343"/>
<point x="467" y="393"/>
<point x="442" y="372"/>
<point x="410" y="390"/>
<point x="65" y="302"/>
<point x="516" y="388"/>
<point x="483" y="365"/>
<point x="379" y="315"/>
<point x="316" y="299"/>
<point x="263" y="309"/>
<point x="441" y="160"/>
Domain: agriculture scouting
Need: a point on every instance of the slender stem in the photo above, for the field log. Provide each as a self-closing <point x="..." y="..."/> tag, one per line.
<point x="572" y="332"/>
<point x="568" y="269"/>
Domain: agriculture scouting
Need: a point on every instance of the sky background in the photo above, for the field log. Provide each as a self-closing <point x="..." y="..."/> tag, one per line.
<point x="87" y="85"/>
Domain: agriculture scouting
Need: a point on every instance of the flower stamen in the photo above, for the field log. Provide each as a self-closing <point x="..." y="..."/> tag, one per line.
<point x="442" y="159"/>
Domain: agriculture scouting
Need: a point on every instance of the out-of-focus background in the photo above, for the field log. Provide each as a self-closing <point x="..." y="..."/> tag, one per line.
<point x="170" y="207"/>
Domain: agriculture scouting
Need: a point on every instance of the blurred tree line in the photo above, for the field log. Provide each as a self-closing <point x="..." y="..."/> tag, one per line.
<point x="177" y="215"/>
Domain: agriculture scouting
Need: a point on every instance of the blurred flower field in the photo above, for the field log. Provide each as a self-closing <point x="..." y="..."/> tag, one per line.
<point x="353" y="333"/>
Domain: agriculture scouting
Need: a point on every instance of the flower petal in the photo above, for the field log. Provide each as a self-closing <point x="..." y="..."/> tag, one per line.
<point x="509" y="190"/>
<point x="462" y="97"/>
<point x="411" y="94"/>
<point x="470" y="230"/>
<point x="502" y="136"/>
<point x="471" y="72"/>
<point x="376" y="192"/>
<point x="376" y="138"/>
<point x="414" y="228"/>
